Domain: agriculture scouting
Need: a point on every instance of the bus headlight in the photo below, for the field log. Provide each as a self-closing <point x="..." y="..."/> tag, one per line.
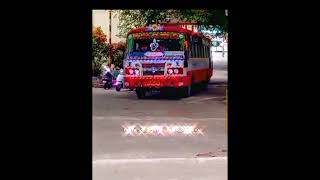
<point x="176" y="71"/>
<point x="170" y="71"/>
<point x="131" y="71"/>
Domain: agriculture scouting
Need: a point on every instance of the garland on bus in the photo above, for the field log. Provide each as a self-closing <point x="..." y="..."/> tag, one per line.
<point x="156" y="35"/>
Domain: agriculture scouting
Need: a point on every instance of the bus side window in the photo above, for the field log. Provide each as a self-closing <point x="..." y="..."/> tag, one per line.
<point x="192" y="50"/>
<point x="197" y="50"/>
<point x="207" y="51"/>
<point x="198" y="47"/>
<point x="202" y="50"/>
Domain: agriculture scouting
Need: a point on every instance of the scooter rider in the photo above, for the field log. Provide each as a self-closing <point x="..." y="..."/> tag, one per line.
<point x="119" y="81"/>
<point x="108" y="78"/>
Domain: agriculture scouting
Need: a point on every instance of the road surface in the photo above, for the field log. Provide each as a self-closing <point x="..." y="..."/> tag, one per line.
<point x="116" y="156"/>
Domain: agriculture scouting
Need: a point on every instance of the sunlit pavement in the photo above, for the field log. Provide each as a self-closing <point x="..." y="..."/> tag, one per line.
<point x="219" y="76"/>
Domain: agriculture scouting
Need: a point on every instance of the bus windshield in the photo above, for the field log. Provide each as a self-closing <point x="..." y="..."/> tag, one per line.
<point x="156" y="42"/>
<point x="156" y="45"/>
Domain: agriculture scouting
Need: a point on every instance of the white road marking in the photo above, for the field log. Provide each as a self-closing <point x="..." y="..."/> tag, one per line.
<point x="156" y="160"/>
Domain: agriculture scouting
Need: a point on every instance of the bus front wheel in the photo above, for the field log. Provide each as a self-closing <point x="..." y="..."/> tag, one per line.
<point x="186" y="91"/>
<point x="141" y="93"/>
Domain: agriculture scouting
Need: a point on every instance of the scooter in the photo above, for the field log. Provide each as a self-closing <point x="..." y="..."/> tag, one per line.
<point x="107" y="82"/>
<point x="119" y="82"/>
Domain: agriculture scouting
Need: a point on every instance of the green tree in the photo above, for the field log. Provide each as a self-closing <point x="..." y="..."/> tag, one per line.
<point x="129" y="19"/>
<point x="208" y="19"/>
<point x="99" y="50"/>
<point x="118" y="51"/>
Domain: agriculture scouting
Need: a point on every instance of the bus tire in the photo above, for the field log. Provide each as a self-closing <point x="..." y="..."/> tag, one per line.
<point x="186" y="91"/>
<point x="189" y="91"/>
<point x="141" y="93"/>
<point x="205" y="85"/>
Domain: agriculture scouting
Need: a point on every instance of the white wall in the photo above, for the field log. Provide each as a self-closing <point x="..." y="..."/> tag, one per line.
<point x="220" y="57"/>
<point x="219" y="53"/>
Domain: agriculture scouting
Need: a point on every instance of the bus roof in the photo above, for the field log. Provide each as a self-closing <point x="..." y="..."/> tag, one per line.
<point x="169" y="29"/>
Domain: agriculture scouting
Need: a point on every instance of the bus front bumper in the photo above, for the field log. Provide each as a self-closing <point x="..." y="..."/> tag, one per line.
<point x="157" y="81"/>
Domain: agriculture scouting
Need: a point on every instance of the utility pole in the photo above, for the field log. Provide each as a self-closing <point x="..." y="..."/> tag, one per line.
<point x="110" y="51"/>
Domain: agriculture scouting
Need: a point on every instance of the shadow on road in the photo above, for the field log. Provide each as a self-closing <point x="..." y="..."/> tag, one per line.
<point x="217" y="90"/>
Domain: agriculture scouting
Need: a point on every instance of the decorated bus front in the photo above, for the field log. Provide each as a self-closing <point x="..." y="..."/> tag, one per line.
<point x="156" y="59"/>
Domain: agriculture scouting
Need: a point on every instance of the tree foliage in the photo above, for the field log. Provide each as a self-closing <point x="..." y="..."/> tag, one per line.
<point x="118" y="51"/>
<point x="99" y="35"/>
<point x="99" y="50"/>
<point x="208" y="19"/>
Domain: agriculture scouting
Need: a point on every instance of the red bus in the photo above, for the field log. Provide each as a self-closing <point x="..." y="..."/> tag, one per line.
<point x="166" y="58"/>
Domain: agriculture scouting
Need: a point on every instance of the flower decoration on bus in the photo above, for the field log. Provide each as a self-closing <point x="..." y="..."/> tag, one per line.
<point x="175" y="36"/>
<point x="153" y="54"/>
<point x="154" y="45"/>
<point x="155" y="27"/>
<point x="186" y="44"/>
<point x="165" y="36"/>
<point x="156" y="35"/>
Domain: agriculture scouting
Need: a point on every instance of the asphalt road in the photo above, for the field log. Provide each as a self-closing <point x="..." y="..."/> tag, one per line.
<point x="162" y="169"/>
<point x="115" y="154"/>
